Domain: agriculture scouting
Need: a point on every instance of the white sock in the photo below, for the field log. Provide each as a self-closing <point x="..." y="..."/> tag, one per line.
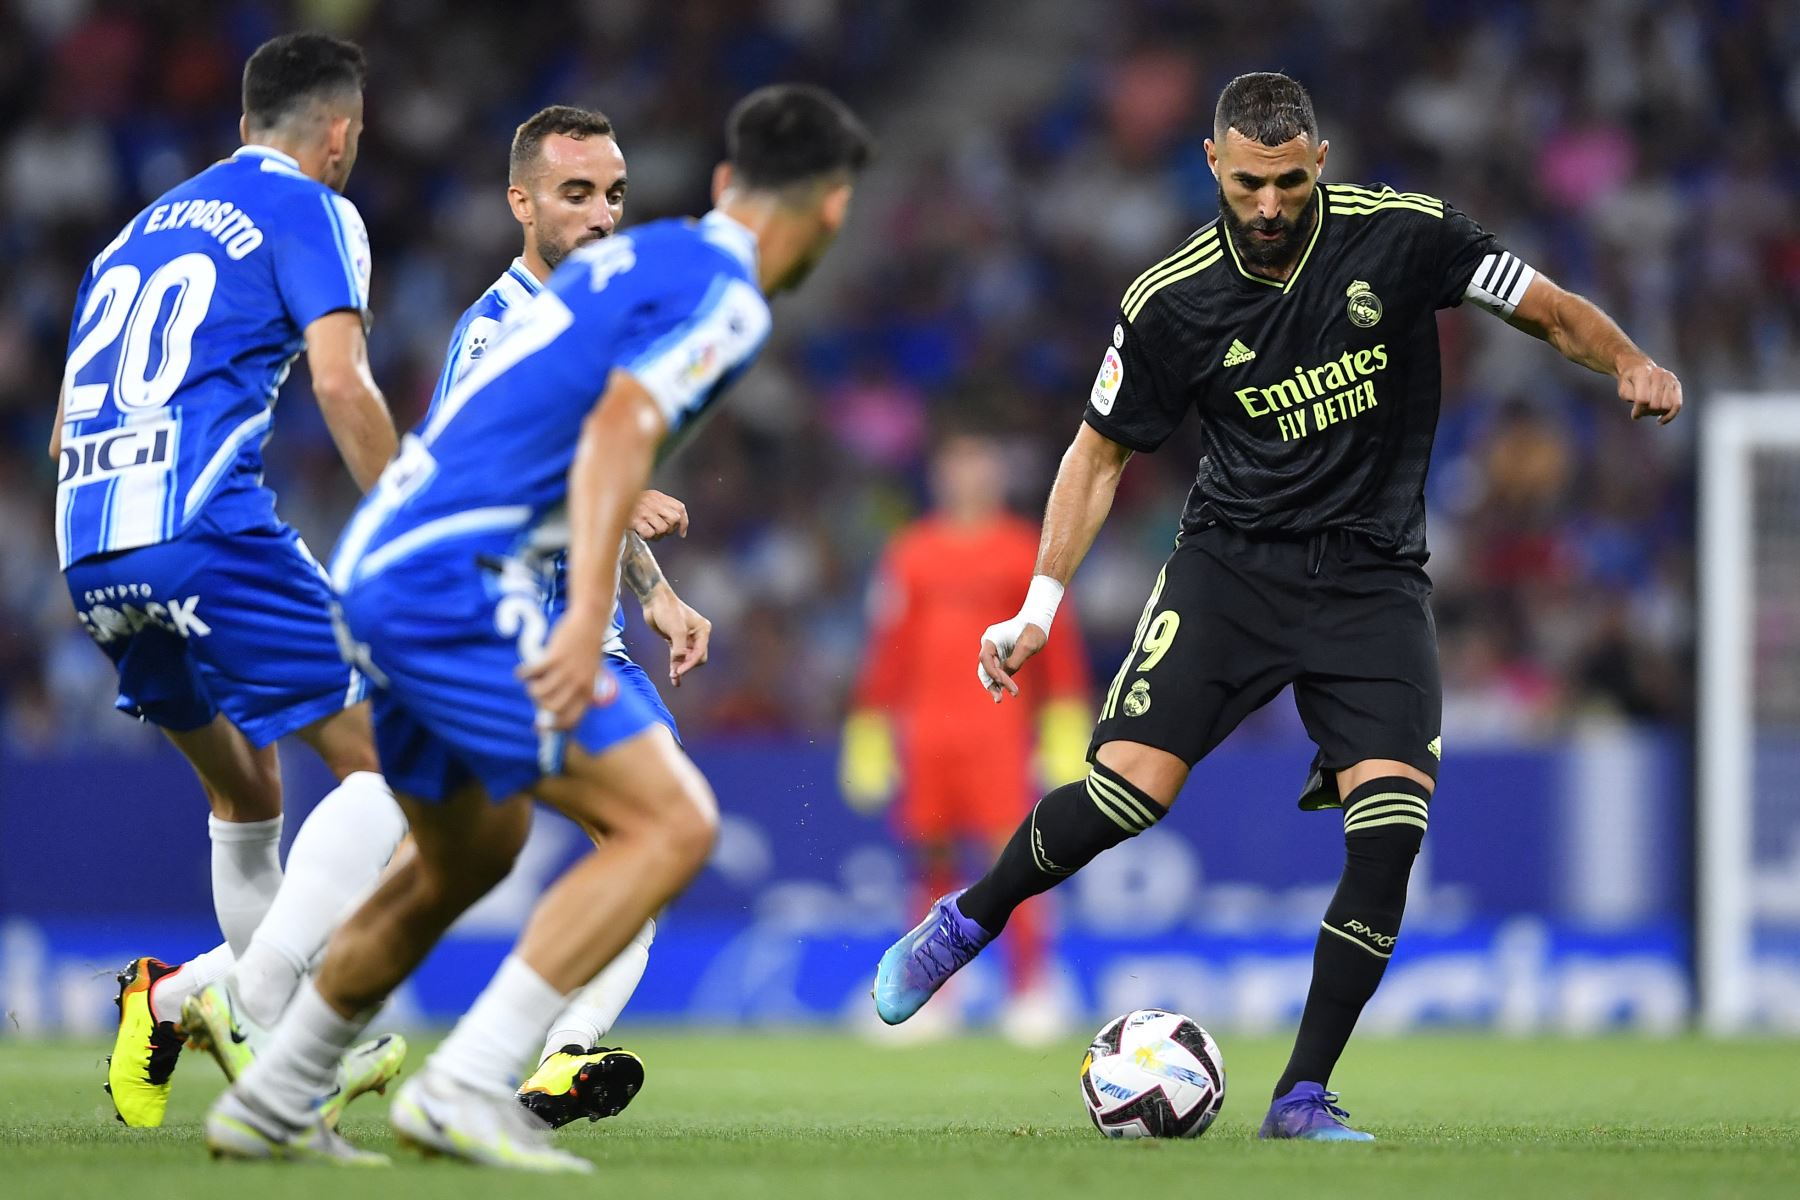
<point x="300" y="1061"/>
<point x="335" y="860"/>
<point x="246" y="873"/>
<point x="490" y="1043"/>
<point x="594" y="1009"/>
<point x="189" y="979"/>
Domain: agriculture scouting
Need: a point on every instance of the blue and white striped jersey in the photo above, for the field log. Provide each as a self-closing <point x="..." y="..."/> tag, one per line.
<point x="478" y="327"/>
<point x="675" y="303"/>
<point x="184" y="329"/>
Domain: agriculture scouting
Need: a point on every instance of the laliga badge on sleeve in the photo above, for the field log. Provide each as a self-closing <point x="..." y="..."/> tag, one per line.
<point x="1106" y="383"/>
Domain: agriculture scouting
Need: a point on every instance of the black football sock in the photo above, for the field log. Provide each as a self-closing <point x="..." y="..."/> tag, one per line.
<point x="1064" y="832"/>
<point x="1384" y="825"/>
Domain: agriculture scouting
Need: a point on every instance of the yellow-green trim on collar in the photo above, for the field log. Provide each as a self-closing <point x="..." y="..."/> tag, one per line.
<point x="1286" y="285"/>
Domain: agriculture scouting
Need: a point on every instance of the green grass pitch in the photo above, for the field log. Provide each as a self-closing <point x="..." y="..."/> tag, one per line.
<point x="802" y="1115"/>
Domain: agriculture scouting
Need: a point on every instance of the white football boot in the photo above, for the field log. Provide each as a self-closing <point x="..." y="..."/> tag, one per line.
<point x="236" y="1130"/>
<point x="216" y="1022"/>
<point x="435" y="1115"/>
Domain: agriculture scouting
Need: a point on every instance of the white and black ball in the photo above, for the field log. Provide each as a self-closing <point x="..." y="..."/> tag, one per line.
<point x="1153" y="1074"/>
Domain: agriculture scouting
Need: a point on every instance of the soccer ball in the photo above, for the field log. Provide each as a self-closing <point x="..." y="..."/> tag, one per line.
<point x="1153" y="1074"/>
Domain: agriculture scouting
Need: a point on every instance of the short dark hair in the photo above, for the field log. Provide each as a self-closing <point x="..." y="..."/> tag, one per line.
<point x="1266" y="107"/>
<point x="287" y="71"/>
<point x="578" y="123"/>
<point x="790" y="133"/>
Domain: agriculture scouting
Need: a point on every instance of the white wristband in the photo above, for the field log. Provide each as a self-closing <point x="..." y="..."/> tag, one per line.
<point x="1041" y="600"/>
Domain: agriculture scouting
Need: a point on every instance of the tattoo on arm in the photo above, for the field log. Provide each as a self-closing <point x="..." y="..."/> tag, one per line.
<point x="639" y="569"/>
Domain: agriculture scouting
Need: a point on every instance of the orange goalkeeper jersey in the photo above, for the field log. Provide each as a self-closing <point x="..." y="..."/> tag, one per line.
<point x="940" y="585"/>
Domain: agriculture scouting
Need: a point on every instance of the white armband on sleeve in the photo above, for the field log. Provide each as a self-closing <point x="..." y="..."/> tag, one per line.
<point x="1499" y="283"/>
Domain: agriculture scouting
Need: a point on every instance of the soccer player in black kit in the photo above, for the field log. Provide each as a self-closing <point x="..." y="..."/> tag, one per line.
<point x="1301" y="324"/>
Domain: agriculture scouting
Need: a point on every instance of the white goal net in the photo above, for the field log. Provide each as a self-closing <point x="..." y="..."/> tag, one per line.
<point x="1749" y="705"/>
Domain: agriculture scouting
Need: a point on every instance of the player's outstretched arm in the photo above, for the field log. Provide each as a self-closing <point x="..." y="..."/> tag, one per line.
<point x="1583" y="334"/>
<point x="337" y="353"/>
<point x="669" y="616"/>
<point x="612" y="463"/>
<point x="1080" y="499"/>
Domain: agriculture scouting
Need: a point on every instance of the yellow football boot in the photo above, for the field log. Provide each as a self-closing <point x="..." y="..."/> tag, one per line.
<point x="217" y="1023"/>
<point x="368" y="1067"/>
<point x="575" y="1083"/>
<point x="144" y="1051"/>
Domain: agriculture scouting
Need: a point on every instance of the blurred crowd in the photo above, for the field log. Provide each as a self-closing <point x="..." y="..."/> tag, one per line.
<point x="1644" y="153"/>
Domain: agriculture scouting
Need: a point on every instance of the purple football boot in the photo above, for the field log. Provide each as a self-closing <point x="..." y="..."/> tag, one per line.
<point x="917" y="965"/>
<point x="1310" y="1113"/>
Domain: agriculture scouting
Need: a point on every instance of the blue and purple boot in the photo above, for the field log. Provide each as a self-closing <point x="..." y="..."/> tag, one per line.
<point x="1310" y="1113"/>
<point x="917" y="965"/>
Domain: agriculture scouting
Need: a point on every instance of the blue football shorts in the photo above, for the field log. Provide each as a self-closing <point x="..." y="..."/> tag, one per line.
<point x="633" y="678"/>
<point x="441" y="639"/>
<point x="212" y="622"/>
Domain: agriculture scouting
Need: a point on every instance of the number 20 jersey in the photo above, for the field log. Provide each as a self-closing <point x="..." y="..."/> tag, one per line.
<point x="185" y="327"/>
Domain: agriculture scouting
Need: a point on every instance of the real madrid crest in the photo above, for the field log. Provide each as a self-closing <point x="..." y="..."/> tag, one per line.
<point x="1137" y="700"/>
<point x="1364" y="305"/>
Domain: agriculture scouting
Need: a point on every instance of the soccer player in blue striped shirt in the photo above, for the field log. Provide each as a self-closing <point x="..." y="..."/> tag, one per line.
<point x="482" y="705"/>
<point x="566" y="187"/>
<point x="209" y="605"/>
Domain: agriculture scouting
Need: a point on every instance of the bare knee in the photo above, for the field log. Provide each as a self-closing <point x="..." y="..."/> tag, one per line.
<point x="482" y="868"/>
<point x="1370" y="769"/>
<point x="676" y="824"/>
<point x="459" y="851"/>
<point x="689" y="824"/>
<point x="1157" y="773"/>
<point x="352" y="760"/>
<point x="645" y="791"/>
<point x="242" y="781"/>
<point x="445" y="885"/>
<point x="345" y="741"/>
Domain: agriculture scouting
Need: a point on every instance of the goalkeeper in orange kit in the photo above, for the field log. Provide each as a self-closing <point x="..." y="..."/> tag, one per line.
<point x="962" y="767"/>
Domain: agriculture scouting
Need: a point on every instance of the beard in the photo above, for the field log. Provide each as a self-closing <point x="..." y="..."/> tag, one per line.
<point x="798" y="273"/>
<point x="1268" y="253"/>
<point x="554" y="252"/>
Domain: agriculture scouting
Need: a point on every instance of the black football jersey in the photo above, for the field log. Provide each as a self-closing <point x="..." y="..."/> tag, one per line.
<point x="1318" y="395"/>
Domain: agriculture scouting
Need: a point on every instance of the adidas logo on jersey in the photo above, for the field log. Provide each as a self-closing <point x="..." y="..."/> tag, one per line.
<point x="1238" y="354"/>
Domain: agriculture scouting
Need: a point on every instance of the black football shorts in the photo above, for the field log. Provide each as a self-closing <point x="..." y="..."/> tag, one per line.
<point x="1234" y="619"/>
